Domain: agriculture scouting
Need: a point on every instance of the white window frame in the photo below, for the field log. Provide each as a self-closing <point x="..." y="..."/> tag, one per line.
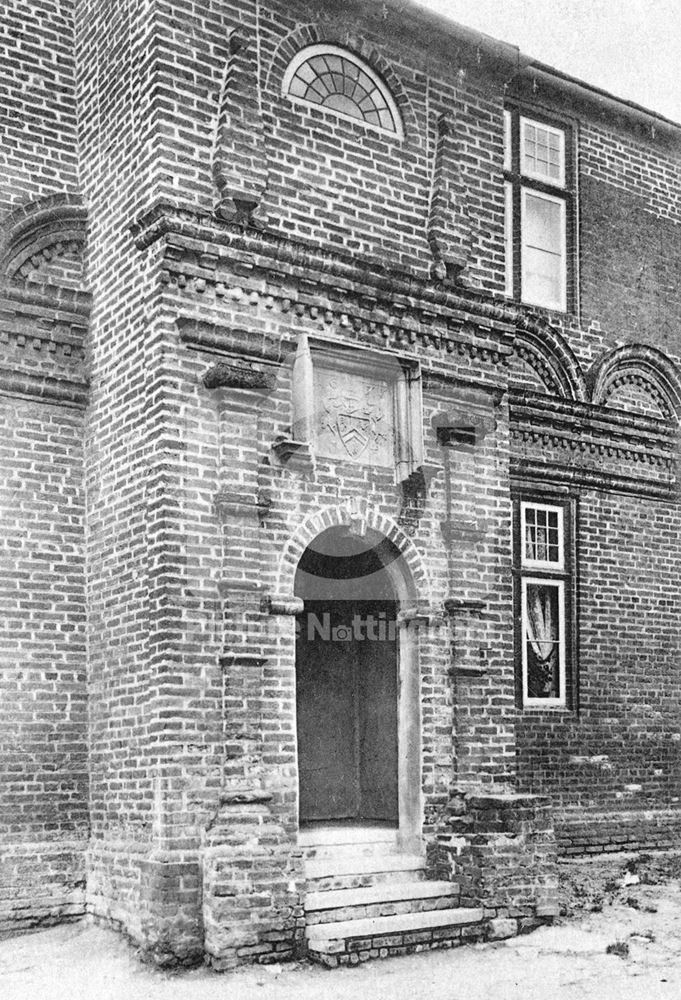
<point x="508" y="239"/>
<point x="508" y="141"/>
<point x="546" y="564"/>
<point x="560" y="701"/>
<point x="559" y="304"/>
<point x="535" y="174"/>
<point x="336" y="50"/>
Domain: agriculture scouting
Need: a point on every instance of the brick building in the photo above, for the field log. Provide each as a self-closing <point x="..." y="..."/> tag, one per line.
<point x="341" y="534"/>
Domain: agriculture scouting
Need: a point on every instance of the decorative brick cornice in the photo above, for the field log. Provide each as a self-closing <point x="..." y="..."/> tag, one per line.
<point x="587" y="429"/>
<point x="42" y="328"/>
<point x="62" y="391"/>
<point x="532" y="470"/>
<point x="360" y="282"/>
<point x="64" y="303"/>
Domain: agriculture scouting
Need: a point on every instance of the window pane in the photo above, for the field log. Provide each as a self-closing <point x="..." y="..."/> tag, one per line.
<point x="543" y="251"/>
<point x="542" y="152"/>
<point x="543" y="641"/>
<point x="542" y="536"/>
<point x="337" y="82"/>
<point x="542" y="279"/>
<point x="543" y="223"/>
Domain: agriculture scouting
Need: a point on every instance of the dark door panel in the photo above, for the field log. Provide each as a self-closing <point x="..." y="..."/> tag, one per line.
<point x="347" y="712"/>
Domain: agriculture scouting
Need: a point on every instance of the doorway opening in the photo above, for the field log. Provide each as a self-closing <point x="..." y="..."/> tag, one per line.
<point x="352" y="718"/>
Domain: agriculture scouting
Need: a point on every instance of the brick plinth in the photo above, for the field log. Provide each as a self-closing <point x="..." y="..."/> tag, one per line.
<point x="252" y="888"/>
<point x="501" y="849"/>
<point x="170" y="903"/>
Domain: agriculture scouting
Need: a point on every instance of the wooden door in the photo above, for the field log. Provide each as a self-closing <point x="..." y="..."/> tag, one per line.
<point x="326" y="709"/>
<point x="347" y="712"/>
<point x="377" y="716"/>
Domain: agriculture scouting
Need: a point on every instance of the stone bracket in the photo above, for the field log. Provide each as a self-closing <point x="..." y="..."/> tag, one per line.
<point x="420" y="478"/>
<point x="231" y="504"/>
<point x="228" y="660"/>
<point x="461" y="531"/>
<point x="245" y="796"/>
<point x="460" y="606"/>
<point x="230" y="375"/>
<point x="295" y="453"/>
<point x="282" y="604"/>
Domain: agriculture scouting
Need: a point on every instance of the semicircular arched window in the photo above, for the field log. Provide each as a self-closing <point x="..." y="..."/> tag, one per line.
<point x="336" y="79"/>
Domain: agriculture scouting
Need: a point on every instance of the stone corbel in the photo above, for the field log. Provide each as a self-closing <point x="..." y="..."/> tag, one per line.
<point x="461" y="429"/>
<point x="233" y="375"/>
<point x="278" y="604"/>
<point x="461" y="530"/>
<point x="245" y="796"/>
<point x="231" y="504"/>
<point x="459" y="606"/>
<point x="418" y="616"/>
<point x="420" y="478"/>
<point x="229" y="660"/>
<point x="294" y="453"/>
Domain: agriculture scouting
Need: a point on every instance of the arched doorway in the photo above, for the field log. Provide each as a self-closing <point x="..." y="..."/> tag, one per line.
<point x="350" y="691"/>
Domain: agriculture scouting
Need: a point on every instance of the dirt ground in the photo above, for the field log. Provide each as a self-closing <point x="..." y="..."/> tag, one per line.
<point x="621" y="941"/>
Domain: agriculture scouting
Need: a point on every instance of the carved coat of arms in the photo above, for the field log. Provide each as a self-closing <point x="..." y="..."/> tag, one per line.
<point x="354" y="416"/>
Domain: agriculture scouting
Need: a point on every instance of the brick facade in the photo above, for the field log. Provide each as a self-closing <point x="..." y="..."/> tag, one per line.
<point x="185" y="252"/>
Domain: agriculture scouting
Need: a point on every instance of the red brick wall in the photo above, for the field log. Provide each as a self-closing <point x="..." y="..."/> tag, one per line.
<point x="43" y="714"/>
<point x="43" y="711"/>
<point x="630" y="281"/>
<point x="38" y="152"/>
<point x="622" y="749"/>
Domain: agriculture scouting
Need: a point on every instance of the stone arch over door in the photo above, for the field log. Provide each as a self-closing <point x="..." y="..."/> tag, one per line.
<point x="358" y="682"/>
<point x="360" y="517"/>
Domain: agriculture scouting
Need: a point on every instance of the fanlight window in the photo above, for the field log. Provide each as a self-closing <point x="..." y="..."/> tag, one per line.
<point x="334" y="78"/>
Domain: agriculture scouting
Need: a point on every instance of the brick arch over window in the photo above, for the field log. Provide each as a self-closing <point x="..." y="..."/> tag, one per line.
<point x="644" y="367"/>
<point x="303" y="37"/>
<point x="362" y="516"/>
<point x="43" y="231"/>
<point x="547" y="352"/>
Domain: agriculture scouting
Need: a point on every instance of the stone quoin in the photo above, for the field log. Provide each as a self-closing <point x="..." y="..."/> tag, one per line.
<point x="341" y="539"/>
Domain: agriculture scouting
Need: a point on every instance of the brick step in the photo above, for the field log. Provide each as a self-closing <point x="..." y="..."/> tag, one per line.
<point x="351" y="941"/>
<point x="350" y="863"/>
<point x="366" y="880"/>
<point x="379" y="901"/>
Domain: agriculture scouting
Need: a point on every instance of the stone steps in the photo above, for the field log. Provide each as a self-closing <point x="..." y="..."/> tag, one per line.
<point x="383" y="899"/>
<point x="348" y="942"/>
<point x="341" y="864"/>
<point x="362" y="905"/>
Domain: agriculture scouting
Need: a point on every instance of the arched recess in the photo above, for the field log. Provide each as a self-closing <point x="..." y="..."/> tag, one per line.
<point x="46" y="240"/>
<point x="644" y="369"/>
<point x="546" y="352"/>
<point x="358" y="706"/>
<point x="310" y="34"/>
<point x="360" y="517"/>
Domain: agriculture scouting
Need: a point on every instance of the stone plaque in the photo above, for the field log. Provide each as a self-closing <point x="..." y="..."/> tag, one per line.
<point x="354" y="417"/>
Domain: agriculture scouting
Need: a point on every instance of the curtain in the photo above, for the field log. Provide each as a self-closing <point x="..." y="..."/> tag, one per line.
<point x="541" y="621"/>
<point x="542" y="634"/>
